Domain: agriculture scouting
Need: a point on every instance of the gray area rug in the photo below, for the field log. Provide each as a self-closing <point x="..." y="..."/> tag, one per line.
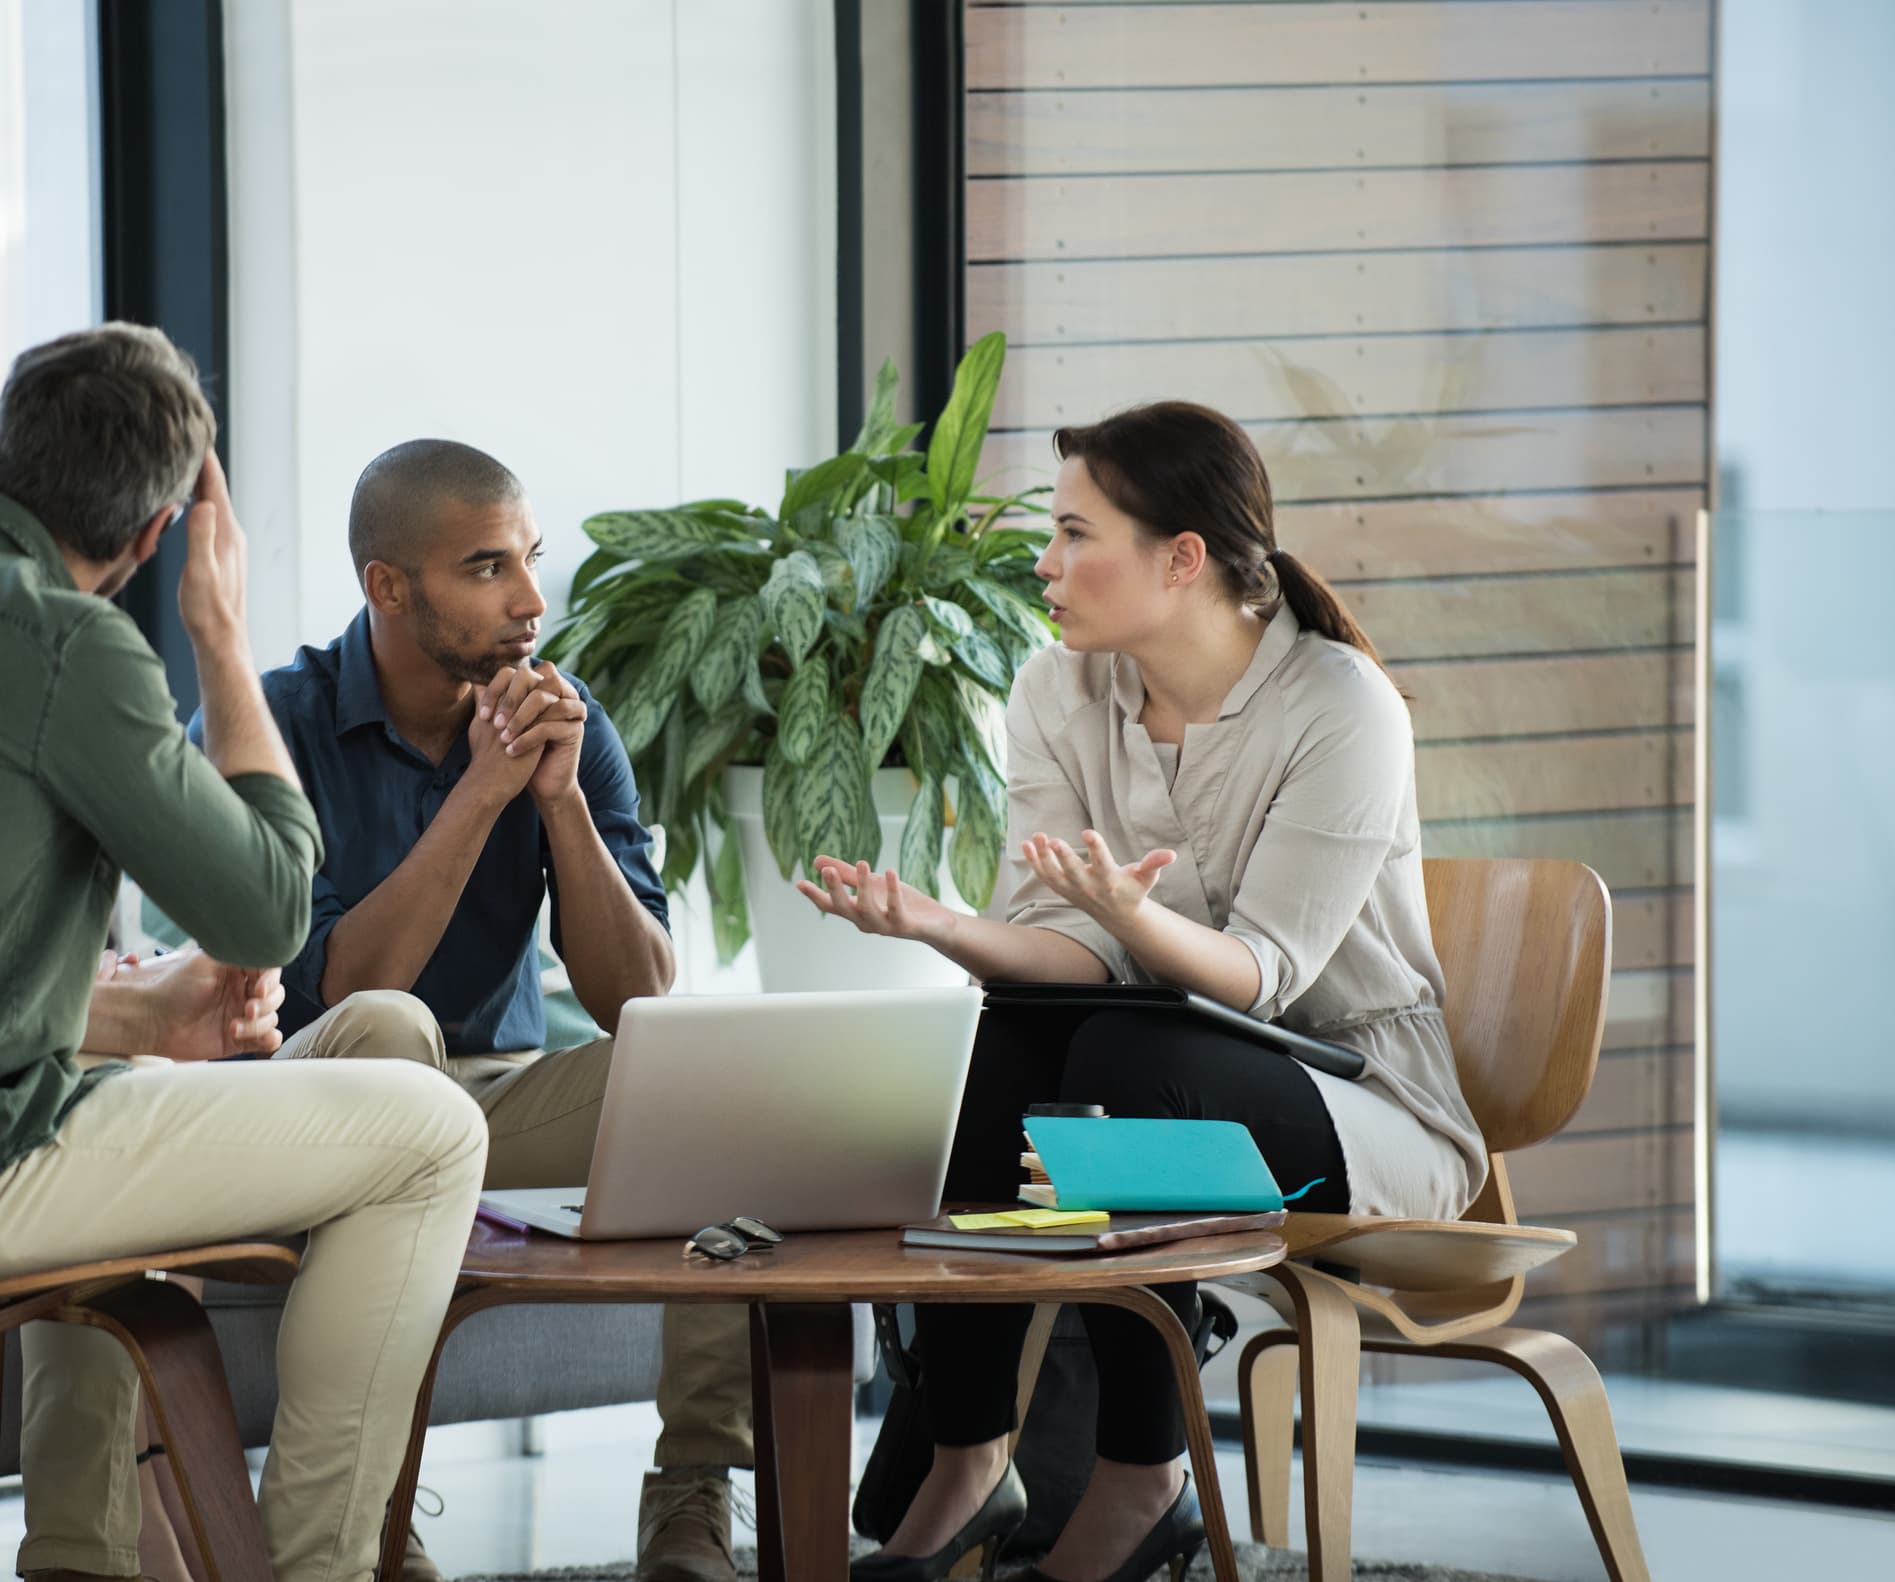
<point x="1253" y="1561"/>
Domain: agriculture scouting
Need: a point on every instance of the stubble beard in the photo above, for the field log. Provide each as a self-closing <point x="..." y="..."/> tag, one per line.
<point x="457" y="663"/>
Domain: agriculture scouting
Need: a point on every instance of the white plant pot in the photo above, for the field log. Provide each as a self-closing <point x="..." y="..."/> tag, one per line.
<point x="800" y="949"/>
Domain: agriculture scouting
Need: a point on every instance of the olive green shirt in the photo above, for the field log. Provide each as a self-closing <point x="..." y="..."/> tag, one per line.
<point x="97" y="776"/>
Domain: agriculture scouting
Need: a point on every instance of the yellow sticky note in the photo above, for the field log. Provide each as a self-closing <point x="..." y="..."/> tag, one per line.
<point x="1044" y="1218"/>
<point x="981" y="1221"/>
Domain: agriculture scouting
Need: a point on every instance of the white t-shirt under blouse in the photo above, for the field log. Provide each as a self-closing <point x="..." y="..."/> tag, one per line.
<point x="1293" y="816"/>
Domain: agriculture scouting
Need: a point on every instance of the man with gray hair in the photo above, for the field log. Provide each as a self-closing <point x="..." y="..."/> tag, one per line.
<point x="104" y="438"/>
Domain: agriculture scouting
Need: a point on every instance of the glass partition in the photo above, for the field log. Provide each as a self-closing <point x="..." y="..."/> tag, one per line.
<point x="1802" y="906"/>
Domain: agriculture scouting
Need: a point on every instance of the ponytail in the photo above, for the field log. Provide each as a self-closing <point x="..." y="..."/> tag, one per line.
<point x="1315" y="605"/>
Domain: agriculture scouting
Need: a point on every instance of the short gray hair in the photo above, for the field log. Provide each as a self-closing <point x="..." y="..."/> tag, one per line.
<point x="99" y="431"/>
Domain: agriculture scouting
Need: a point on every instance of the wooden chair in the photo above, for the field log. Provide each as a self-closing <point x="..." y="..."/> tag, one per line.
<point x="1525" y="947"/>
<point x="171" y="1344"/>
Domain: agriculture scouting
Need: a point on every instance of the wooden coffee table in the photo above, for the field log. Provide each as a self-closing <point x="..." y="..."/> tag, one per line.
<point x="803" y="1349"/>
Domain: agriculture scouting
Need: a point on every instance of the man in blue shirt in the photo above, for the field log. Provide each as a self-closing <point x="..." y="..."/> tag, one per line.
<point x="458" y="785"/>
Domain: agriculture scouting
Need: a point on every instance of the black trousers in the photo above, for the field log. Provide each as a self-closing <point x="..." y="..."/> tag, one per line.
<point x="1135" y="1063"/>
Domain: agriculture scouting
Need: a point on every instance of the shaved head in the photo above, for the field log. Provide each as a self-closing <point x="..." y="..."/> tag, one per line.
<point x="400" y="494"/>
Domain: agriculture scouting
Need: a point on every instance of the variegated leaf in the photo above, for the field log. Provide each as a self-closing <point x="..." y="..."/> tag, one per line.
<point x="686" y="630"/>
<point x="752" y="688"/>
<point x="981" y="721"/>
<point x="716" y="737"/>
<point x="974" y="858"/>
<point x="779" y="810"/>
<point x="636" y="602"/>
<point x="830" y="791"/>
<point x="671" y="535"/>
<point x="805" y="712"/>
<point x="1011" y="610"/>
<point x="921" y="839"/>
<point x="873" y="545"/>
<point x="982" y="655"/>
<point x="931" y="737"/>
<point x="892" y="678"/>
<point x="949" y="616"/>
<point x="948" y="567"/>
<point x="593" y="567"/>
<point x="838" y="574"/>
<point x="793" y="601"/>
<point x="733" y="645"/>
<point x="730" y="914"/>
<point x="642" y="716"/>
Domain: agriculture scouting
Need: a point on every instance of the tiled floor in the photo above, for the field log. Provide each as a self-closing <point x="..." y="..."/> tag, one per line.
<point x="575" y="1502"/>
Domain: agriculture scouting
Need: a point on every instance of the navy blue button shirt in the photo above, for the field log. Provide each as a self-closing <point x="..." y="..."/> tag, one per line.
<point x="374" y="794"/>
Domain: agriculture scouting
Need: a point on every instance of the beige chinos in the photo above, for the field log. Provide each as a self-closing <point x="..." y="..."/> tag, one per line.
<point x="379" y="1161"/>
<point x="542" y="1118"/>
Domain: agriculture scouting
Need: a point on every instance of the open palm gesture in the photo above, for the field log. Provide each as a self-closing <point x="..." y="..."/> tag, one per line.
<point x="1091" y="879"/>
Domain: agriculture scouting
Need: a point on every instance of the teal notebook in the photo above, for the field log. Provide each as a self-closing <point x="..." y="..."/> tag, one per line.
<point x="1134" y="1164"/>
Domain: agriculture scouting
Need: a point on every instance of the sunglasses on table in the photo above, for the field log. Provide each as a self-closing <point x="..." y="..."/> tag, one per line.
<point x="734" y="1238"/>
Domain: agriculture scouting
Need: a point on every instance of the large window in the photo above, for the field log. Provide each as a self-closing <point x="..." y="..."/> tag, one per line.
<point x="49" y="172"/>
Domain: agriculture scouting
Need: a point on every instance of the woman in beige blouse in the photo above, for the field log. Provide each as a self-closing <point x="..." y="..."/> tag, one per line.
<point x="1211" y="784"/>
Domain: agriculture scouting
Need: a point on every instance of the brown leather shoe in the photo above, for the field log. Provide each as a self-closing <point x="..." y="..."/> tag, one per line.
<point x="416" y="1563"/>
<point x="684" y="1527"/>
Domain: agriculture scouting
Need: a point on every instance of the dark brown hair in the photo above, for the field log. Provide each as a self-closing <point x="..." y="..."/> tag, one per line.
<point x="1175" y="467"/>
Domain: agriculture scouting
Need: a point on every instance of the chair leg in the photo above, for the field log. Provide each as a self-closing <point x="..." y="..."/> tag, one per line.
<point x="401" y="1504"/>
<point x="1266" y="1394"/>
<point x="1329" y="1351"/>
<point x="1576" y="1401"/>
<point x="170" y="1340"/>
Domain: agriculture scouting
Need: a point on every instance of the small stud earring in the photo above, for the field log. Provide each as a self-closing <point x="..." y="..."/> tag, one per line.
<point x="1174" y="576"/>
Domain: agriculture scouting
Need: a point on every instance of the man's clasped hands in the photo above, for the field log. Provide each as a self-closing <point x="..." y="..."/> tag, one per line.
<point x="525" y="735"/>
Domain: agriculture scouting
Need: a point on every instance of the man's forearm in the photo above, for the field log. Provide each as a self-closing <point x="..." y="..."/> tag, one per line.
<point x="613" y="948"/>
<point x="116" y="1022"/>
<point x="240" y="736"/>
<point x="387" y="938"/>
<point x="1193" y="956"/>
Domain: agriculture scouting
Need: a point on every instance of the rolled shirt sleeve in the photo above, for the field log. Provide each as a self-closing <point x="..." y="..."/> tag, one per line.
<point x="611" y="793"/>
<point x="1325" y="838"/>
<point x="230" y="861"/>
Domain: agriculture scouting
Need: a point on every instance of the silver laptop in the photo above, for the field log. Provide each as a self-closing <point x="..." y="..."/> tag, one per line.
<point x="809" y="1111"/>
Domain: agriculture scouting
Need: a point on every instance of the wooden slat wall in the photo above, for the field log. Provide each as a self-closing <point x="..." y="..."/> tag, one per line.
<point x="1447" y="262"/>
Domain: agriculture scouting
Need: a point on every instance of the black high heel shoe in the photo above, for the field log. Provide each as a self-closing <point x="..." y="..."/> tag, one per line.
<point x="1176" y="1541"/>
<point x="987" y="1529"/>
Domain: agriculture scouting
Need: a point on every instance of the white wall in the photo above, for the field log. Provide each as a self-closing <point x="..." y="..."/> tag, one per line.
<point x="595" y="239"/>
<point x="49" y="182"/>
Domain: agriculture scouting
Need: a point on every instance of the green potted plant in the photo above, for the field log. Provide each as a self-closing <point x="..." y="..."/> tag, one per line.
<point x="808" y="676"/>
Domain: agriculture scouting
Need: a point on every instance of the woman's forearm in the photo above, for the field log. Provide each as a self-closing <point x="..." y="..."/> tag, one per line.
<point x="1194" y="956"/>
<point x="991" y="949"/>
